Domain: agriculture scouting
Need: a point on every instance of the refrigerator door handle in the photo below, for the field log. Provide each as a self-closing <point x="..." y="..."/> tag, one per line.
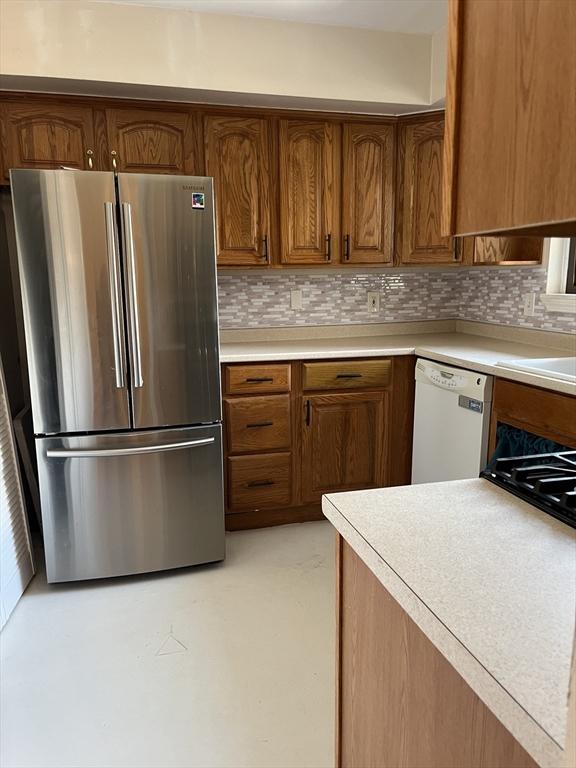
<point x="132" y="293"/>
<point x="86" y="453"/>
<point x="114" y="275"/>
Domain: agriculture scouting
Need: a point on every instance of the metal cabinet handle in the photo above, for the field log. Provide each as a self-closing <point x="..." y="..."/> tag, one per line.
<point x="259" y="379"/>
<point x="90" y="156"/>
<point x="114" y="277"/>
<point x="328" y="251"/>
<point x="265" y="254"/>
<point x="457" y="248"/>
<point x="88" y="453"/>
<point x="348" y="375"/>
<point x="259" y="483"/>
<point x="132" y="293"/>
<point x="308" y="414"/>
<point x="260" y="424"/>
<point x="346" y="247"/>
<point x="114" y="156"/>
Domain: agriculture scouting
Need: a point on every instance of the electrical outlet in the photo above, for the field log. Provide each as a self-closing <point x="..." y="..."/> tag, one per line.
<point x="373" y="301"/>
<point x="295" y="299"/>
<point x="529" y="304"/>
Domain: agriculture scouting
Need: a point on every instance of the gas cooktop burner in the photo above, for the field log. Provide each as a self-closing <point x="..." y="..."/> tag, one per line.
<point x="547" y="480"/>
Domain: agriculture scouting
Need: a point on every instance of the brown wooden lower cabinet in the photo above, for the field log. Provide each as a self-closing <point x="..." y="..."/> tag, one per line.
<point x="547" y="414"/>
<point x="400" y="702"/>
<point x="294" y="431"/>
<point x="343" y="443"/>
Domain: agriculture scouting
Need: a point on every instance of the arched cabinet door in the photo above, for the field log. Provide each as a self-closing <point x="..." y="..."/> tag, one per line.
<point x="150" y="141"/>
<point x="368" y="194"/>
<point x="309" y="192"/>
<point x="47" y="135"/>
<point x="419" y="233"/>
<point x="238" y="157"/>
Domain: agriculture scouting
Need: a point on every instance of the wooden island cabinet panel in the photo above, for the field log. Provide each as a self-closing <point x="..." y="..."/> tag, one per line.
<point x="153" y="141"/>
<point x="510" y="154"/>
<point x="368" y="161"/>
<point x="309" y="192"/>
<point x="238" y="157"/>
<point x="47" y="136"/>
<point x="400" y="703"/>
<point x="419" y="236"/>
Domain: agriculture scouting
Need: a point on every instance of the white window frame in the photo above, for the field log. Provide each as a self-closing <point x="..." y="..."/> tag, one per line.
<point x="556" y="259"/>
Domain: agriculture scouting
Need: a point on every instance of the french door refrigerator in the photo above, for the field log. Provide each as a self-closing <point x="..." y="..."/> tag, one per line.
<point x="118" y="280"/>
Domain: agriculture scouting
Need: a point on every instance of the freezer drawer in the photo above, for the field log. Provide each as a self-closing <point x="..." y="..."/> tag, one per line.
<point x="120" y="504"/>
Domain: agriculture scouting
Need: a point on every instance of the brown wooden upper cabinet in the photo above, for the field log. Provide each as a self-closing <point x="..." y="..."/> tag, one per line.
<point x="237" y="153"/>
<point x="149" y="141"/>
<point x="309" y="199"/>
<point x="506" y="251"/>
<point x="47" y="135"/>
<point x="510" y="155"/>
<point x="368" y="155"/>
<point x="342" y="443"/>
<point x="419" y="238"/>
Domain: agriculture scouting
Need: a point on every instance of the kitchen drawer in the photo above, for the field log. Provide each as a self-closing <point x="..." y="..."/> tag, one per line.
<point x="348" y="374"/>
<point x="248" y="379"/>
<point x="258" y="423"/>
<point x="259" y="482"/>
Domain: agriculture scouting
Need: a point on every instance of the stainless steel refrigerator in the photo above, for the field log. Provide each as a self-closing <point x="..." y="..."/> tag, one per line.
<point x="118" y="280"/>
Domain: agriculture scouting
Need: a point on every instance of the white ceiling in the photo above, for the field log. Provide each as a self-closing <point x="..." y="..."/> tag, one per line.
<point x="414" y="16"/>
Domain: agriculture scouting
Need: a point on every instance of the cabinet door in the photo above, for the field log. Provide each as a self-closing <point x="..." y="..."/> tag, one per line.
<point x="343" y="443"/>
<point x="510" y="117"/>
<point x="146" y="141"/>
<point x="507" y="251"/>
<point x="420" y="196"/>
<point x="46" y="135"/>
<point x="237" y="156"/>
<point x="309" y="183"/>
<point x="368" y="193"/>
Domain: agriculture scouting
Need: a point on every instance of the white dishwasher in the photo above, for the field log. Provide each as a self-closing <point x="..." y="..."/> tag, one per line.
<point x="451" y="422"/>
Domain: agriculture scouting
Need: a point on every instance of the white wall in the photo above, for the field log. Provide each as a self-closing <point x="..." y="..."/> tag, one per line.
<point x="180" y="49"/>
<point x="438" y="61"/>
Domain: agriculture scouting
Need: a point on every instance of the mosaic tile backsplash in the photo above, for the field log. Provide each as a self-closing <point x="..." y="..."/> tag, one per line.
<point x="262" y="300"/>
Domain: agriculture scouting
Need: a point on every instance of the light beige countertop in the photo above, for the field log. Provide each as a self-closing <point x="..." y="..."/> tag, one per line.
<point x="490" y="580"/>
<point x="466" y="350"/>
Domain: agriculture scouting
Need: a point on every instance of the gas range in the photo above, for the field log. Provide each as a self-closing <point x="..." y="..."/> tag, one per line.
<point x="546" y="480"/>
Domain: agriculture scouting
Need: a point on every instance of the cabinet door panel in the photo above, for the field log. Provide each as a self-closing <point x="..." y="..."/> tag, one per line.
<point x="342" y="444"/>
<point x="47" y="136"/>
<point x="237" y="156"/>
<point x="368" y="193"/>
<point x="507" y="250"/>
<point x="421" y="196"/>
<point x="308" y="192"/>
<point x="143" y="141"/>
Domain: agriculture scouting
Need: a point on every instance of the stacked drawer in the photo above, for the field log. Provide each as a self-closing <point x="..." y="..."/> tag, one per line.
<point x="259" y="436"/>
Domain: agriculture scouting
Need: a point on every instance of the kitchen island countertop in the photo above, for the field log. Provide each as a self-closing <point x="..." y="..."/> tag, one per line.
<point x="490" y="580"/>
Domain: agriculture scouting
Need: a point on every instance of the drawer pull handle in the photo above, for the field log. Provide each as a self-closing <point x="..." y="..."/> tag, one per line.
<point x="259" y="379"/>
<point x="259" y="483"/>
<point x="260" y="424"/>
<point x="349" y="376"/>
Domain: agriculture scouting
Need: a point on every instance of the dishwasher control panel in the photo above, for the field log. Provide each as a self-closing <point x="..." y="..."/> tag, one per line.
<point x="474" y="386"/>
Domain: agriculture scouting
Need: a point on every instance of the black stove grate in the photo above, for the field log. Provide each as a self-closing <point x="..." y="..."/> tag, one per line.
<point x="547" y="480"/>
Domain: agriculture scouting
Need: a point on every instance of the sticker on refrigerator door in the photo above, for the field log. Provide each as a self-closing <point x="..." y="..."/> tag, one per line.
<point x="198" y="200"/>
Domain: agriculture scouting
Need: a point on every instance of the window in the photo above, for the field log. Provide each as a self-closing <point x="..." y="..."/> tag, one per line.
<point x="560" y="293"/>
<point x="571" y="274"/>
